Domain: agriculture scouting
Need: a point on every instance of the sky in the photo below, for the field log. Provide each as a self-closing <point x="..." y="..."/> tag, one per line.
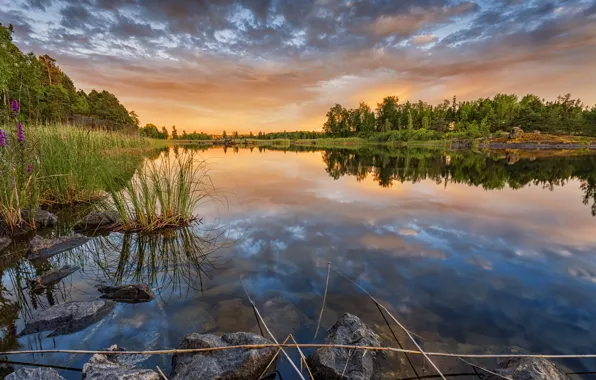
<point x="274" y="65"/>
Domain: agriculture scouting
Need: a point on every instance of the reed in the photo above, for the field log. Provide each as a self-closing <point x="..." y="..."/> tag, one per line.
<point x="162" y="194"/>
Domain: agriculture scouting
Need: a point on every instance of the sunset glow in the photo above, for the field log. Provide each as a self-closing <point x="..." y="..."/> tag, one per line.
<point x="275" y="65"/>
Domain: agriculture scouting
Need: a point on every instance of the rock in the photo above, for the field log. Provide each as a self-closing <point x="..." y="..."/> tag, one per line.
<point x="528" y="369"/>
<point x="113" y="367"/>
<point x="223" y="364"/>
<point x="99" y="220"/>
<point x="512" y="158"/>
<point x="40" y="248"/>
<point x="68" y="317"/>
<point x="35" y="374"/>
<point x="329" y="363"/>
<point x="4" y="242"/>
<point x="536" y="132"/>
<point x="282" y="317"/>
<point x="52" y="276"/>
<point x="516" y="133"/>
<point x="42" y="218"/>
<point x="133" y="293"/>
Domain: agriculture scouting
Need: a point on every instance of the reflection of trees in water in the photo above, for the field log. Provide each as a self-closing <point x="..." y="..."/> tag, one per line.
<point x="170" y="261"/>
<point x="474" y="169"/>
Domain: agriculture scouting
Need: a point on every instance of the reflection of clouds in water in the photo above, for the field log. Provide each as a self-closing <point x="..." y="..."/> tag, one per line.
<point x="480" y="262"/>
<point x="250" y="246"/>
<point x="299" y="232"/>
<point x="279" y="245"/>
<point x="582" y="274"/>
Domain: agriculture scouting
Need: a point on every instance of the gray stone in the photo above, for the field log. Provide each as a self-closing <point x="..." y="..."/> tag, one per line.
<point x="4" y="242"/>
<point x="34" y="374"/>
<point x="133" y="293"/>
<point x="41" y="249"/>
<point x="68" y="317"/>
<point x="516" y="132"/>
<point x="99" y="220"/>
<point x="52" y="276"/>
<point x="330" y="363"/>
<point x="222" y="364"/>
<point x="114" y="367"/>
<point x="528" y="369"/>
<point x="42" y="218"/>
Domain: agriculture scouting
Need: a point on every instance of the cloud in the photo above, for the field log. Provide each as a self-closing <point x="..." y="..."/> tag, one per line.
<point x="274" y="65"/>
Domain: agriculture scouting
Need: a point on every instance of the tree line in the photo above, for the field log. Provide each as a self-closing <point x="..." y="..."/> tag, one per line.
<point x="397" y="120"/>
<point x="47" y="95"/>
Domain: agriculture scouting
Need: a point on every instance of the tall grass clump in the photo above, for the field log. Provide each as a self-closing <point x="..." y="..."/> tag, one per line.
<point x="71" y="159"/>
<point x="163" y="193"/>
<point x="18" y="175"/>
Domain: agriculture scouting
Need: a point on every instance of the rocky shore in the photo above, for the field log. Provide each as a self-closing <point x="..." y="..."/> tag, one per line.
<point x="255" y="363"/>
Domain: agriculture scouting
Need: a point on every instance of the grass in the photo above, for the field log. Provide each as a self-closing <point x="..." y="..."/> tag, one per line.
<point x="70" y="159"/>
<point x="162" y="194"/>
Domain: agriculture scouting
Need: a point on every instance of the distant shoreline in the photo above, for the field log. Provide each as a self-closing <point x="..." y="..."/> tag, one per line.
<point x="528" y="142"/>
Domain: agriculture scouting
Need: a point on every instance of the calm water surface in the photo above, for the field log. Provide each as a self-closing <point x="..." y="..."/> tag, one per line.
<point x="475" y="253"/>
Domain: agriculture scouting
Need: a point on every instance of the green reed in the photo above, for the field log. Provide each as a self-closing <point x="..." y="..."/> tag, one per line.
<point x="71" y="159"/>
<point x="163" y="193"/>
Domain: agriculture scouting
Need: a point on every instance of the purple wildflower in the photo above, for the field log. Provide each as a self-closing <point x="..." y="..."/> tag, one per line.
<point x="2" y="139"/>
<point x="20" y="135"/>
<point x="29" y="168"/>
<point x="15" y="106"/>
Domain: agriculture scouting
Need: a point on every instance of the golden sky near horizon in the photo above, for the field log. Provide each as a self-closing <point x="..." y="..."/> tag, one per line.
<point x="274" y="65"/>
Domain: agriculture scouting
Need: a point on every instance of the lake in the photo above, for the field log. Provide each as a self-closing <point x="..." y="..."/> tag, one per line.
<point x="474" y="252"/>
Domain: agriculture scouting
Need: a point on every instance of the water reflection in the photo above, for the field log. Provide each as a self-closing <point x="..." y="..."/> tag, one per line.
<point x="475" y="252"/>
<point x="170" y="261"/>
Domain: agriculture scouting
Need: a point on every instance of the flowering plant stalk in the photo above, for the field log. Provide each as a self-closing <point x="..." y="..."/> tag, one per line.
<point x="18" y="176"/>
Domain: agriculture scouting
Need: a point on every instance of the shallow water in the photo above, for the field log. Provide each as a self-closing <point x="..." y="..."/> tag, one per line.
<point x="475" y="253"/>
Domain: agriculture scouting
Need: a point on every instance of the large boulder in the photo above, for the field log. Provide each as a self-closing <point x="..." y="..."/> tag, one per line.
<point x="222" y="364"/>
<point x="34" y="374"/>
<point x="4" y="242"/>
<point x="99" y="220"/>
<point x="528" y="369"/>
<point x="68" y="317"/>
<point x="330" y="363"/>
<point x="52" y="276"/>
<point x="133" y="293"/>
<point x="114" y="367"/>
<point x="516" y="133"/>
<point x="41" y="249"/>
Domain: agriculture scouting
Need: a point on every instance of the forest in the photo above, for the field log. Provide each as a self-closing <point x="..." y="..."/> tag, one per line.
<point x="392" y="120"/>
<point x="47" y="95"/>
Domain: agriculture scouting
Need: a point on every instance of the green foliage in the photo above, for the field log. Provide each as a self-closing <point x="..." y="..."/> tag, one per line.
<point x="70" y="158"/>
<point x="162" y="194"/>
<point x="151" y="131"/>
<point x="466" y="119"/>
<point x="19" y="172"/>
<point x="47" y="95"/>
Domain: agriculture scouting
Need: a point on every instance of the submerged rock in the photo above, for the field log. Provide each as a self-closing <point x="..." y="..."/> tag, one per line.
<point x="52" y="276"/>
<point x="113" y="367"/>
<point x="330" y="363"/>
<point x="223" y="364"/>
<point x="68" y="317"/>
<point x="98" y="220"/>
<point x="40" y="248"/>
<point x="4" y="242"/>
<point x="133" y="293"/>
<point x="528" y="369"/>
<point x="35" y="374"/>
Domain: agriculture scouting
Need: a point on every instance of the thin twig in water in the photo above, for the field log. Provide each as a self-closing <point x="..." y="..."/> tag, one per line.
<point x="302" y="357"/>
<point x="396" y="321"/>
<point x="161" y="373"/>
<point x="269" y="331"/>
<point x="324" y="299"/>
<point x="347" y="361"/>
<point x="273" y="359"/>
<point x="485" y="370"/>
